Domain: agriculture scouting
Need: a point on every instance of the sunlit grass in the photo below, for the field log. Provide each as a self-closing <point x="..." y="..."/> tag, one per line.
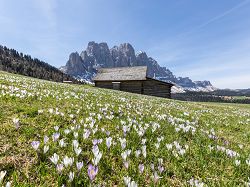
<point x="120" y="138"/>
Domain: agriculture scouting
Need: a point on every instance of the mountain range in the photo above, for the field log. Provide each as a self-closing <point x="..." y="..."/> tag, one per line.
<point x="84" y="66"/>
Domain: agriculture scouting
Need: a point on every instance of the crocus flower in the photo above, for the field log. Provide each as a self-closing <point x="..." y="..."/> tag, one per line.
<point x="127" y="180"/>
<point x="248" y="162"/>
<point x="123" y="142"/>
<point x="76" y="134"/>
<point x="95" y="150"/>
<point x="92" y="171"/>
<point x="2" y="175"/>
<point x="54" y="158"/>
<point x="62" y="143"/>
<point x="141" y="168"/>
<point x="155" y="177"/>
<point x="56" y="128"/>
<point x="86" y="134"/>
<point x="108" y="142"/>
<point x="132" y="184"/>
<point x="45" y="149"/>
<point x="16" y="122"/>
<point x="169" y="146"/>
<point x="59" y="168"/>
<point x="124" y="155"/>
<point x="35" y="144"/>
<point x="40" y="111"/>
<point x="152" y="166"/>
<point x="8" y="184"/>
<point x="66" y="131"/>
<point x="144" y="153"/>
<point x="160" y="160"/>
<point x="137" y="153"/>
<point x="45" y="139"/>
<point x="71" y="176"/>
<point x="75" y="143"/>
<point x="68" y="161"/>
<point x="79" y="165"/>
<point x="143" y="141"/>
<point x="126" y="164"/>
<point x="160" y="168"/>
<point x="99" y="141"/>
<point x="55" y="136"/>
<point x="157" y="145"/>
<point x="95" y="141"/>
<point x="237" y="162"/>
<point x="78" y="151"/>
<point x="97" y="158"/>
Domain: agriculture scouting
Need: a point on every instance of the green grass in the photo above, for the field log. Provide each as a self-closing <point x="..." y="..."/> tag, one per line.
<point x="214" y="131"/>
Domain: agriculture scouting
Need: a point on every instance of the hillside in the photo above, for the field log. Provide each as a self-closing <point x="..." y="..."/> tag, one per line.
<point x="99" y="55"/>
<point x="54" y="134"/>
<point x="14" y="62"/>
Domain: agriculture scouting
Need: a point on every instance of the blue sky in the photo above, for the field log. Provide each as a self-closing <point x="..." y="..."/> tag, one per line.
<point x="203" y="40"/>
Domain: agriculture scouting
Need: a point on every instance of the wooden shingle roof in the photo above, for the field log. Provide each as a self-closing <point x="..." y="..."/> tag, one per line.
<point x="122" y="74"/>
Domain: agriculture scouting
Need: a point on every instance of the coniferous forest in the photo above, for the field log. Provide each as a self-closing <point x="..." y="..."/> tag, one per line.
<point x="14" y="62"/>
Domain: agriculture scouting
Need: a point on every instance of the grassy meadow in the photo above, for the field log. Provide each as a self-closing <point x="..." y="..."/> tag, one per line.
<point x="54" y="134"/>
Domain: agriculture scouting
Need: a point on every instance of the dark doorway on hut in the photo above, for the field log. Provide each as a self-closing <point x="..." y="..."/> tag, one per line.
<point x="116" y="85"/>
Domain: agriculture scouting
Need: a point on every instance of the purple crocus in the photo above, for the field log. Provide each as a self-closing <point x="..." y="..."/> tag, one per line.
<point x="161" y="169"/>
<point x="126" y="164"/>
<point x="108" y="142"/>
<point x="59" y="167"/>
<point x="79" y="165"/>
<point x="35" y="144"/>
<point x="141" y="168"/>
<point x="86" y="134"/>
<point x="55" y="136"/>
<point x="92" y="171"/>
<point x="95" y="141"/>
<point x="45" y="139"/>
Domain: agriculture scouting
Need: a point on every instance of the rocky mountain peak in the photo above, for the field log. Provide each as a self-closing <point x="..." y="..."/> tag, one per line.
<point x="203" y="83"/>
<point x="142" y="55"/>
<point x="127" y="48"/>
<point x="98" y="55"/>
<point x="74" y="58"/>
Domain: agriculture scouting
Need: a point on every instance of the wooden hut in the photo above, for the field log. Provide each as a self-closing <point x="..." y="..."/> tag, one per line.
<point x="132" y="79"/>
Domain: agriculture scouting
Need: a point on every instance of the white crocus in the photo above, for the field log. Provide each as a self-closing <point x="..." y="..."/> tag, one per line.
<point x="144" y="153"/>
<point x="137" y="153"/>
<point x="54" y="158"/>
<point x="45" y="149"/>
<point x="127" y="180"/>
<point x="62" y="143"/>
<point x="2" y="175"/>
<point x="8" y="184"/>
<point x="68" y="161"/>
<point x="16" y="122"/>
<point x="71" y="176"/>
<point x="78" y="151"/>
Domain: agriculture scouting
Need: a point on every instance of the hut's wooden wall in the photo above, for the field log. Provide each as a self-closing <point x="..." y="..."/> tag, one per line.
<point x="132" y="86"/>
<point x="147" y="87"/>
<point x="104" y="84"/>
<point x="156" y="88"/>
